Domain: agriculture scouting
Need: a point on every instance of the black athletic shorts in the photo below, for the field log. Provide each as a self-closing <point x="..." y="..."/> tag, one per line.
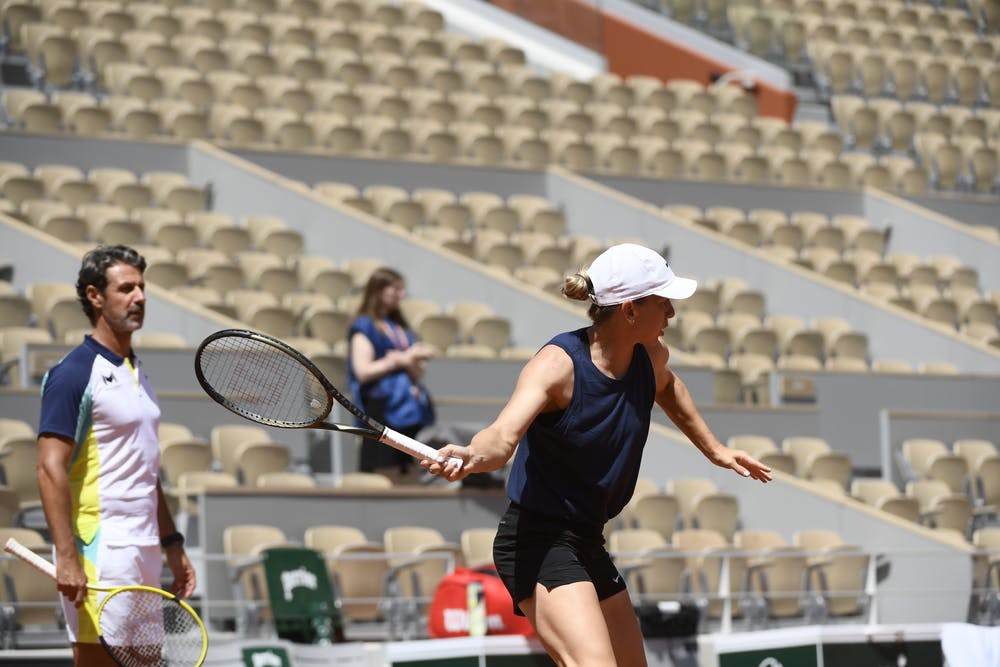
<point x="532" y="548"/>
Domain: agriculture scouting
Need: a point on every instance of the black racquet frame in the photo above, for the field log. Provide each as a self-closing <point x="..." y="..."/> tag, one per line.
<point x="227" y="384"/>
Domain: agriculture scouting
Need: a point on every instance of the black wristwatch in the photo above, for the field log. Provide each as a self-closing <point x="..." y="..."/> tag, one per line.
<point x="171" y="539"/>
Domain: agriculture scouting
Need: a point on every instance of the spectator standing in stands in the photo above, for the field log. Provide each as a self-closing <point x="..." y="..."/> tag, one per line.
<point x="385" y="363"/>
<point x="578" y="420"/>
<point x="98" y="456"/>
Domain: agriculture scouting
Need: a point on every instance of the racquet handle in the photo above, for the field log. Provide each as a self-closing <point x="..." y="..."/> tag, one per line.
<point x="415" y="447"/>
<point x="15" y="548"/>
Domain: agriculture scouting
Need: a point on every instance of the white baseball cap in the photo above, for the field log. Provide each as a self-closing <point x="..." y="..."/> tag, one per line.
<point x="628" y="271"/>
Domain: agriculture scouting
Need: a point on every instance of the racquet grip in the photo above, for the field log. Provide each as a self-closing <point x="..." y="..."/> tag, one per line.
<point x="415" y="448"/>
<point x="15" y="548"/>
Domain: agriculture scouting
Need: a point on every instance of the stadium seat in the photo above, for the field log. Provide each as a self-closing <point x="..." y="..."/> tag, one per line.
<point x="655" y="511"/>
<point x="477" y="546"/>
<point x="645" y="559"/>
<point x="939" y="506"/>
<point x="363" y="480"/>
<point x="242" y="545"/>
<point x="254" y="459"/>
<point x="226" y="440"/>
<point x="35" y="610"/>
<point x="704" y="561"/>
<point x="180" y="456"/>
<point x="419" y="557"/>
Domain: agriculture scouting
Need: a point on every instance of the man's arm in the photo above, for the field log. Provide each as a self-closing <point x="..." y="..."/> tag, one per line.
<point x="54" y="452"/>
<point x="177" y="560"/>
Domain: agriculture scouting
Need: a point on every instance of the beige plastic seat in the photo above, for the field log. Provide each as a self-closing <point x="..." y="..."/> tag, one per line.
<point x="330" y="539"/>
<point x="163" y="340"/>
<point x="779" y="578"/>
<point x="986" y="564"/>
<point x="36" y="609"/>
<point x="877" y="492"/>
<point x="173" y="432"/>
<point x="656" y="511"/>
<point x="704" y="562"/>
<point x="65" y="315"/>
<point x="166" y="273"/>
<point x="364" y="480"/>
<point x="12" y="340"/>
<point x="15" y="429"/>
<point x="15" y="311"/>
<point x="440" y="330"/>
<point x="10" y="506"/>
<point x="420" y="557"/>
<point x="359" y="573"/>
<point x="654" y="573"/>
<point x="180" y="456"/>
<point x="19" y="460"/>
<point x="832" y="466"/>
<point x="919" y="452"/>
<point x="256" y="458"/>
<point x="973" y="450"/>
<point x="804" y="448"/>
<point x="687" y="489"/>
<point x="325" y="323"/>
<point x="51" y="54"/>
<point x="477" y="546"/>
<point x="939" y="506"/>
<point x="716" y="511"/>
<point x="324" y="278"/>
<point x="226" y="440"/>
<point x="493" y="331"/>
<point x="987" y="477"/>
<point x="242" y="545"/>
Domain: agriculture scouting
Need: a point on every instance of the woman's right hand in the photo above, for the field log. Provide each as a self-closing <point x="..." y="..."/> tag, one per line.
<point x="442" y="468"/>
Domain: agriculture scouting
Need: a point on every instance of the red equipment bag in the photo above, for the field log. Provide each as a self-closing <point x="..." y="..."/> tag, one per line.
<point x="449" y="611"/>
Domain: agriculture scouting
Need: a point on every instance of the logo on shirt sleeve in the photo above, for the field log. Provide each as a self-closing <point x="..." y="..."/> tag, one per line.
<point x="109" y="378"/>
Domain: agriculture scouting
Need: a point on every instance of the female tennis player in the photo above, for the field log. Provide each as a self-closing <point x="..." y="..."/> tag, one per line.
<point x="581" y="411"/>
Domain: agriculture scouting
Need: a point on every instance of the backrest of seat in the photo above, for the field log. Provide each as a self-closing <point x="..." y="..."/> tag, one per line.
<point x="658" y="512"/>
<point x="330" y="539"/>
<point x="36" y="602"/>
<point x="477" y="546"/>
<point x="814" y="539"/>
<point x="358" y="572"/>
<point x="687" y="489"/>
<point x="226" y="440"/>
<point x="803" y="448"/>
<point x="179" y="456"/>
<point x="918" y="453"/>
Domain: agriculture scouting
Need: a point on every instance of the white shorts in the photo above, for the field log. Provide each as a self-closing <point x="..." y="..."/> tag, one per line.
<point x="109" y="565"/>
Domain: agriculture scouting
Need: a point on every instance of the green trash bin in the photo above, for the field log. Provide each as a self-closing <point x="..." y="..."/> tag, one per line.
<point x="303" y="604"/>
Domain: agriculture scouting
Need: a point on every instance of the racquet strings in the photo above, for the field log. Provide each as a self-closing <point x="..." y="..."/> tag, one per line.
<point x="262" y="382"/>
<point x="146" y="629"/>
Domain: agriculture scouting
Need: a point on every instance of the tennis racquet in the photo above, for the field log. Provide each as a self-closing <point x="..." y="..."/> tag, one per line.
<point x="139" y="626"/>
<point x="269" y="382"/>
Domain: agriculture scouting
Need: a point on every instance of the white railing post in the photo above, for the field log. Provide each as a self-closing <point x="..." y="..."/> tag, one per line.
<point x="726" y="624"/>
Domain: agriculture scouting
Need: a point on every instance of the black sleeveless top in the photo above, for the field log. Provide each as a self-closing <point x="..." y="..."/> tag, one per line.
<point x="581" y="463"/>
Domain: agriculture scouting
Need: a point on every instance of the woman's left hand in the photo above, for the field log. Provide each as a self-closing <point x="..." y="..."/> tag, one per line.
<point x="742" y="463"/>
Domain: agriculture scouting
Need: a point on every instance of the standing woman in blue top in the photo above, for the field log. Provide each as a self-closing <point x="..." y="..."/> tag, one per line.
<point x="385" y="362"/>
<point x="581" y="412"/>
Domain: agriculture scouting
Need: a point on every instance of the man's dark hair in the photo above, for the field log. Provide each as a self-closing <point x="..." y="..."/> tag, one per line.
<point x="94" y="271"/>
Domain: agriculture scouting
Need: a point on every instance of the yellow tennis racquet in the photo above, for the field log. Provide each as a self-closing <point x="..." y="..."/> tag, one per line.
<point x="139" y="626"/>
